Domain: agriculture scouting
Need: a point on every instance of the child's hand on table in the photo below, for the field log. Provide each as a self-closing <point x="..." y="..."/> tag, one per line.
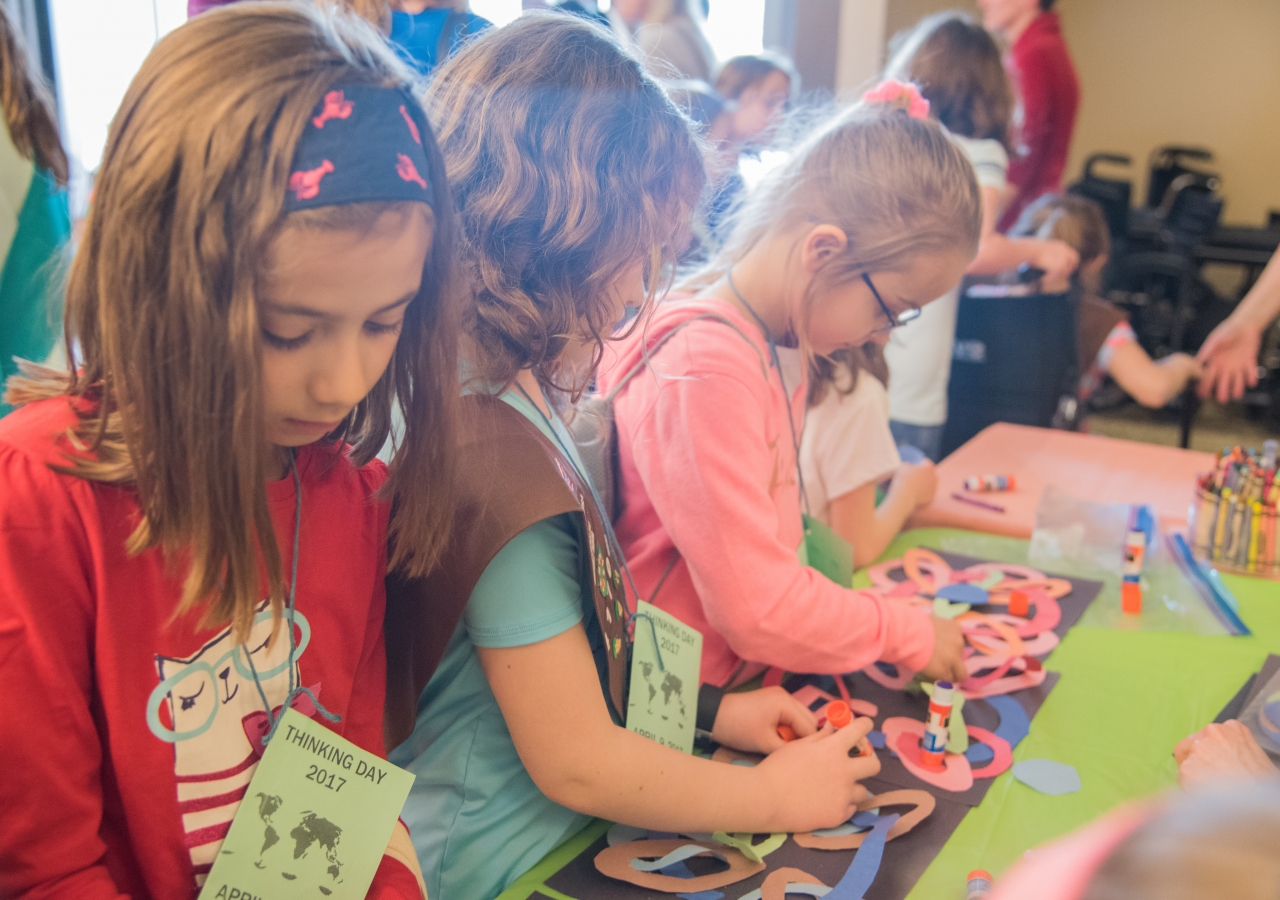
<point x="917" y="481"/>
<point x="749" y="721"/>
<point x="1221" y="752"/>
<point x="812" y="782"/>
<point x="947" y="662"/>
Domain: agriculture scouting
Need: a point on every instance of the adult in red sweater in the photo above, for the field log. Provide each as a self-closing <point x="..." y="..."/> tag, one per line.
<point x="192" y="538"/>
<point x="1041" y="69"/>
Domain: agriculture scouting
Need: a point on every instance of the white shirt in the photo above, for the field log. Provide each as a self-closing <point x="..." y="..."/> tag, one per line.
<point x="846" y="443"/>
<point x="919" y="355"/>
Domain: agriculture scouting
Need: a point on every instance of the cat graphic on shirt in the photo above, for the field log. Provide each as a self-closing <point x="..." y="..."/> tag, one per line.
<point x="208" y="705"/>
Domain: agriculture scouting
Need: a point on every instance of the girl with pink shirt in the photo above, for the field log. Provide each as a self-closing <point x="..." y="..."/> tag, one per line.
<point x="872" y="217"/>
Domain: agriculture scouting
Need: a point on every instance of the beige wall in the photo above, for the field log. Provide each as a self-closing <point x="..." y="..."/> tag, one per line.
<point x="1156" y="72"/>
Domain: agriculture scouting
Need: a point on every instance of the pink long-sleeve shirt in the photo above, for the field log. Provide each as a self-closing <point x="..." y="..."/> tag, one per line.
<point x="708" y="478"/>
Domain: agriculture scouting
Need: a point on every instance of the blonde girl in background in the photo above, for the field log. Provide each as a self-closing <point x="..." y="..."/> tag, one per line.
<point x="1105" y="340"/>
<point x="263" y="273"/>
<point x="575" y="179"/>
<point x="869" y="220"/>
<point x="957" y="66"/>
<point x="847" y="450"/>
<point x="34" y="221"/>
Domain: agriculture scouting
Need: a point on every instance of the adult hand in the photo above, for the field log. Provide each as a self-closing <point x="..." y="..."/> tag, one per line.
<point x="1221" y="752"/>
<point x="1230" y="359"/>
<point x="749" y="720"/>
<point x="947" y="662"/>
<point x="812" y="782"/>
<point x="918" y="481"/>
<point x="1058" y="260"/>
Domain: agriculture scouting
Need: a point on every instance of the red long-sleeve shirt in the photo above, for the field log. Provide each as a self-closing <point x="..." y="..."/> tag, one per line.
<point x="1041" y="68"/>
<point x="127" y="739"/>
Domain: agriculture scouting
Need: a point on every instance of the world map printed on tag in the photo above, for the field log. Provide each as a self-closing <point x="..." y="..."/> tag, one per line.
<point x="663" y="702"/>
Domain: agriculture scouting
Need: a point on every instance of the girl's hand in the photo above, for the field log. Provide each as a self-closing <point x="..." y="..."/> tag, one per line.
<point x="812" y="782"/>
<point x="1058" y="260"/>
<point x="918" y="481"/>
<point x="749" y="720"/>
<point x="1186" y="366"/>
<point x="947" y="662"/>
<point x="1222" y="752"/>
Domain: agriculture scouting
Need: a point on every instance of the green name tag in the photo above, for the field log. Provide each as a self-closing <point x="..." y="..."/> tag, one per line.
<point x="314" y="822"/>
<point x="665" y="663"/>
<point x="826" y="551"/>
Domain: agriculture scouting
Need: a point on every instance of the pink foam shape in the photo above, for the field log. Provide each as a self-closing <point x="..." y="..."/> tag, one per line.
<point x="880" y="574"/>
<point x="903" y="735"/>
<point x="1048" y="614"/>
<point x="772" y="677"/>
<point x="903" y="589"/>
<point x="1032" y="677"/>
<point x="893" y="683"/>
<point x="1003" y="752"/>
<point x="927" y="569"/>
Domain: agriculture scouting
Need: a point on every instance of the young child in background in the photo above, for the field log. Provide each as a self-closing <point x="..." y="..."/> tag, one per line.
<point x="957" y="66"/>
<point x="869" y="220"/>
<point x="426" y="32"/>
<point x="516" y="737"/>
<point x="847" y="449"/>
<point x="758" y="91"/>
<point x="252" y="290"/>
<point x="35" y="222"/>
<point x="1104" y="339"/>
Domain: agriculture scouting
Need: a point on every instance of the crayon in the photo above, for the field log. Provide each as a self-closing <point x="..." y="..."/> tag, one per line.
<point x="973" y="501"/>
<point x="1206" y="509"/>
<point x="1255" y="536"/>
<point x="933" y="747"/>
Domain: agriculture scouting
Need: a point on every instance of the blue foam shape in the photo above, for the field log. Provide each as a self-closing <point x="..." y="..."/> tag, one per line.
<point x="1014" y="723"/>
<point x="865" y="819"/>
<point x="963" y="593"/>
<point x="979" y="754"/>
<point x="1047" y="776"/>
<point x="702" y="895"/>
<point x="876" y="739"/>
<point x="677" y="870"/>
<point x="866" y="865"/>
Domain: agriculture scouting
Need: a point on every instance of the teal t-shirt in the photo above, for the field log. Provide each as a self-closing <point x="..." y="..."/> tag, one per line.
<point x="477" y="819"/>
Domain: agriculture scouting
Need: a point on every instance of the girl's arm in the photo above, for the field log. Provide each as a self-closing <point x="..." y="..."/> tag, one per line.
<point x="998" y="253"/>
<point x="870" y="528"/>
<point x="51" y="792"/>
<point x="550" y="697"/>
<point x="1151" y="383"/>
<point x="1230" y="353"/>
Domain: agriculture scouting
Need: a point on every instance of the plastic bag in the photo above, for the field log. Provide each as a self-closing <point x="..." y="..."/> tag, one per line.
<point x="1077" y="537"/>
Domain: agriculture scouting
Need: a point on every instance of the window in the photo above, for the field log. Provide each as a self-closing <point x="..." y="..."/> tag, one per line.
<point x="499" y="12"/>
<point x="733" y="27"/>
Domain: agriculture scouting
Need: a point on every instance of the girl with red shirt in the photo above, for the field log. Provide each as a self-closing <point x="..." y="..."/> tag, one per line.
<point x="192" y="538"/>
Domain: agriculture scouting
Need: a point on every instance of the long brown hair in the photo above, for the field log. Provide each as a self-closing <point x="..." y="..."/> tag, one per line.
<point x="161" y="301"/>
<point x="957" y="66"/>
<point x="29" y="111"/>
<point x="568" y="164"/>
<point x="840" y="371"/>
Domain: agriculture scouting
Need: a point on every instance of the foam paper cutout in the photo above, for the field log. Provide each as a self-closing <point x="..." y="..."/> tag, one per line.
<point x="788" y="881"/>
<point x="1047" y="776"/>
<point x="743" y="844"/>
<point x="866" y="865"/>
<point x="956" y="774"/>
<point x="702" y="895"/>
<point x="621" y="863"/>
<point x="676" y="856"/>
<point x="900" y="678"/>
<point x="944" y="609"/>
<point x="992" y="578"/>
<point x="876" y="739"/>
<point x="992" y="635"/>
<point x="1002" y="753"/>
<point x="1014" y="723"/>
<point x="979" y="753"/>
<point x="922" y="802"/>
<point x="927" y="569"/>
<point x="963" y="593"/>
<point x="1030" y="673"/>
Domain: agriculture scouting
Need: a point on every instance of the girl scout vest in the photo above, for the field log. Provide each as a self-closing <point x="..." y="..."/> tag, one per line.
<point x="510" y="476"/>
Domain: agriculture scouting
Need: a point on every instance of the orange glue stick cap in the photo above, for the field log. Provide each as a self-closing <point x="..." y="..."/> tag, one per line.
<point x="785" y="732"/>
<point x="1019" y="603"/>
<point x="838" y="713"/>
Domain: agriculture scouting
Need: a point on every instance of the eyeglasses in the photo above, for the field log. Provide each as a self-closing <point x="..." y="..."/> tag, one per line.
<point x="910" y="314"/>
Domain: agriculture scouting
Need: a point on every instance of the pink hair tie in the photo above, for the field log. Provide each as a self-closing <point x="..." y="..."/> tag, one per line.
<point x="906" y="97"/>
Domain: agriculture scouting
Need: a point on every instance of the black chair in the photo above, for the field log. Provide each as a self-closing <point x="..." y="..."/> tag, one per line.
<point x="1113" y="194"/>
<point x="1014" y="361"/>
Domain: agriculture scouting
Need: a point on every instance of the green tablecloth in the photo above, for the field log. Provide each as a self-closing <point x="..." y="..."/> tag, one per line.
<point x="1124" y="700"/>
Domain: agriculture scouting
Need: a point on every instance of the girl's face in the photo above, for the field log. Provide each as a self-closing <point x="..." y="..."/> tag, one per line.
<point x="631" y="11"/>
<point x="760" y="108"/>
<point x="848" y="315"/>
<point x="330" y="308"/>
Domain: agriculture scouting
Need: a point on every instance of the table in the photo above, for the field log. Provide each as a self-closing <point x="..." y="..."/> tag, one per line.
<point x="1089" y="466"/>
<point x="1124" y="700"/>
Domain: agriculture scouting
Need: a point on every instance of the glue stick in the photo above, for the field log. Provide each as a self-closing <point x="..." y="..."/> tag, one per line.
<point x="986" y="483"/>
<point x="838" y="713"/>
<point x="979" y="885"/>
<point x="933" y="747"/>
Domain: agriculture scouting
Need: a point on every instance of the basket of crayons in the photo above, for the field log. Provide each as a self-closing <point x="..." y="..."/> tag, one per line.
<point x="1234" y="519"/>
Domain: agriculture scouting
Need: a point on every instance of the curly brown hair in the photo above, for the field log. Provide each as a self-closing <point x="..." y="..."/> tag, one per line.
<point x="568" y="166"/>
